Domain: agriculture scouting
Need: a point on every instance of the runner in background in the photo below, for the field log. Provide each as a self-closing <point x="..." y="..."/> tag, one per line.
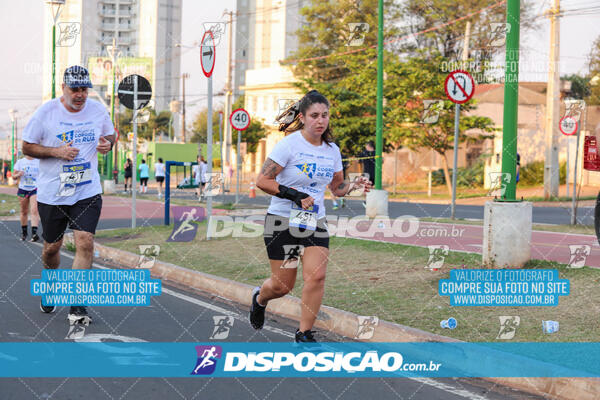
<point x="337" y="202"/>
<point x="144" y="175"/>
<point x="128" y="173"/>
<point x="66" y="134"/>
<point x="199" y="172"/>
<point x="26" y="170"/>
<point x="159" y="174"/>
<point x="369" y="163"/>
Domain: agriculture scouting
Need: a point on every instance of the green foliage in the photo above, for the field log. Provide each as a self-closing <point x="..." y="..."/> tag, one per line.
<point x="466" y="176"/>
<point x="200" y="125"/>
<point x="411" y="75"/>
<point x="532" y="174"/>
<point x="157" y="123"/>
<point x="594" y="68"/>
<point x="346" y="80"/>
<point x="580" y="86"/>
<point x="448" y="41"/>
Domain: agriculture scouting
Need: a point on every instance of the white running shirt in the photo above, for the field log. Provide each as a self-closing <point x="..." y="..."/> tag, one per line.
<point x="159" y="169"/>
<point x="53" y="126"/>
<point x="30" y="170"/>
<point x="306" y="168"/>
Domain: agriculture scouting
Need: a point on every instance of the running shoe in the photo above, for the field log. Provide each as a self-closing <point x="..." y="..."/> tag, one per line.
<point x="257" y="312"/>
<point x="79" y="313"/>
<point x="305" y="337"/>
<point x="335" y="207"/>
<point x="35" y="237"/>
<point x="47" y="309"/>
<point x="23" y="237"/>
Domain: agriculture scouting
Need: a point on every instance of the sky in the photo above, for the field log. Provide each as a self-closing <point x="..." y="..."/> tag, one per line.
<point x="21" y="25"/>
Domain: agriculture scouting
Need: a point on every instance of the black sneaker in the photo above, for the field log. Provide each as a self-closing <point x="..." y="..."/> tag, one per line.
<point x="35" y="237"/>
<point x="305" y="337"/>
<point x="23" y="237"/>
<point x="47" y="309"/>
<point x="257" y="312"/>
<point x="79" y="314"/>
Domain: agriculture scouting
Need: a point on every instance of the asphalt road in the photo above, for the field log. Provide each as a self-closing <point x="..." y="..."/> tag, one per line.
<point x="179" y="316"/>
<point x="541" y="215"/>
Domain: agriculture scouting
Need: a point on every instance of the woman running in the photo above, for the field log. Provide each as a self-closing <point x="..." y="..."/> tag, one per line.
<point x="297" y="173"/>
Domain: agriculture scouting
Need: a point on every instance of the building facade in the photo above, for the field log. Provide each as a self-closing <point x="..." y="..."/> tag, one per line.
<point x="145" y="32"/>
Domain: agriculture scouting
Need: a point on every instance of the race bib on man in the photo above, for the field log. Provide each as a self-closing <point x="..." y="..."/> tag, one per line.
<point x="73" y="176"/>
<point x="306" y="219"/>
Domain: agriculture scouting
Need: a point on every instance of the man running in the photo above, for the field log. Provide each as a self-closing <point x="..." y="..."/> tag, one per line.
<point x="67" y="134"/>
<point x="26" y="170"/>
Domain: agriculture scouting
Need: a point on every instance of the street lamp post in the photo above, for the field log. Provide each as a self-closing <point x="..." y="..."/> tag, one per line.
<point x="55" y="14"/>
<point x="13" y="118"/>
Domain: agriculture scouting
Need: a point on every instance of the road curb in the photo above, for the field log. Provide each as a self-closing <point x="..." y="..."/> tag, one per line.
<point x="341" y="322"/>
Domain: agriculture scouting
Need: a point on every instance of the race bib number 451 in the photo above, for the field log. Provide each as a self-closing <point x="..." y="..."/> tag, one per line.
<point x="306" y="219"/>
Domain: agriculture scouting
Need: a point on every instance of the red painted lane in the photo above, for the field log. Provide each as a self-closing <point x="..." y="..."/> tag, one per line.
<point x="551" y="246"/>
<point x="121" y="207"/>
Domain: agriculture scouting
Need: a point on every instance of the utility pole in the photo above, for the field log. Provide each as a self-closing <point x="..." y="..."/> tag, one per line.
<point x="114" y="53"/>
<point x="183" y="76"/>
<point x="228" y="89"/>
<point x="552" y="106"/>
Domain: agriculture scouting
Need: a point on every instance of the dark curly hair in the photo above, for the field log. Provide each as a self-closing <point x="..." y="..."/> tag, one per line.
<point x="289" y="120"/>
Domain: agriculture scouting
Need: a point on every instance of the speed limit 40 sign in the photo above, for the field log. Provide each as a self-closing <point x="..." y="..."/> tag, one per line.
<point x="568" y="125"/>
<point x="239" y="119"/>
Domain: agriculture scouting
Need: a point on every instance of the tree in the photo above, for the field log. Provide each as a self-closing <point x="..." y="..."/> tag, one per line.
<point x="345" y="79"/>
<point x="200" y="126"/>
<point x="146" y="130"/>
<point x="486" y="27"/>
<point x="580" y="86"/>
<point x="594" y="68"/>
<point x="410" y="83"/>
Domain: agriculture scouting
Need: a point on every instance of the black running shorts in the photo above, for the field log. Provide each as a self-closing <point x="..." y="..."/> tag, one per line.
<point x="81" y="216"/>
<point x="280" y="237"/>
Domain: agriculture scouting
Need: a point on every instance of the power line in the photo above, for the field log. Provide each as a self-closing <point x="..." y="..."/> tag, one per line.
<point x="432" y="29"/>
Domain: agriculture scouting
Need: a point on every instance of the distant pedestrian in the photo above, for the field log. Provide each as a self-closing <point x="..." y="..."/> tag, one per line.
<point x="159" y="174"/>
<point x="368" y="161"/>
<point x="144" y="174"/>
<point x="128" y="173"/>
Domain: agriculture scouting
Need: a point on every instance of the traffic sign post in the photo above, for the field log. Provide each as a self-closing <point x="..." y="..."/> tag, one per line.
<point x="207" y="62"/>
<point x="240" y="121"/>
<point x="134" y="93"/>
<point x="459" y="87"/>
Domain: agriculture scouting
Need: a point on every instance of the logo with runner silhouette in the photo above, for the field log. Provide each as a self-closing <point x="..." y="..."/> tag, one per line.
<point x="207" y="359"/>
<point x="186" y="223"/>
<point x="223" y="324"/>
<point x="66" y="137"/>
<point x="307" y="169"/>
<point x="579" y="254"/>
<point x="508" y="326"/>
